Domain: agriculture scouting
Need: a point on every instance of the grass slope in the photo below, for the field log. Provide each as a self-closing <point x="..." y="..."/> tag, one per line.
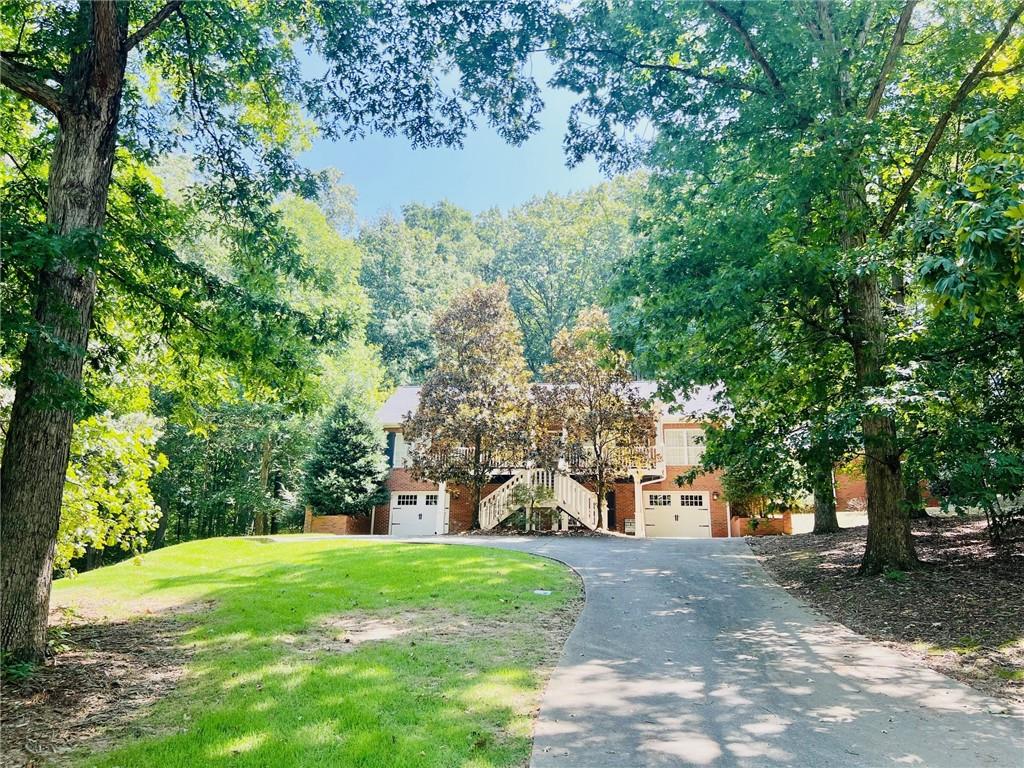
<point x="252" y="696"/>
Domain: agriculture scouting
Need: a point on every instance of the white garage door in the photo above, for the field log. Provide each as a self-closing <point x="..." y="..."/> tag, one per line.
<point x="677" y="513"/>
<point x="414" y="514"/>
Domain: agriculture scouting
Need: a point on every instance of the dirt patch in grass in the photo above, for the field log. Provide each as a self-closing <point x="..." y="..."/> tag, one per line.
<point x="961" y="614"/>
<point x="99" y="684"/>
<point x="349" y="632"/>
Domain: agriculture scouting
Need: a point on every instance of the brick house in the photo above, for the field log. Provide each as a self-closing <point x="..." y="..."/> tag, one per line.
<point x="647" y="503"/>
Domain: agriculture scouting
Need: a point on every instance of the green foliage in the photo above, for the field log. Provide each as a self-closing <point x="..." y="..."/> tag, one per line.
<point x="15" y="670"/>
<point x="346" y="471"/>
<point x="107" y="500"/>
<point x="474" y="412"/>
<point x="897" y="577"/>
<point x="412" y="268"/>
<point x="971" y="227"/>
<point x="535" y="509"/>
<point x="607" y="427"/>
<point x="775" y="216"/>
<point x="964" y="377"/>
<point x="556" y="254"/>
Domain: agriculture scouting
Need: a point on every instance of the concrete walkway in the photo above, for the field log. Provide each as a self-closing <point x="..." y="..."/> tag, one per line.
<point x="687" y="654"/>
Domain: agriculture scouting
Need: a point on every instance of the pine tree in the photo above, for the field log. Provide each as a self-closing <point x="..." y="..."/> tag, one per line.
<point x="345" y="475"/>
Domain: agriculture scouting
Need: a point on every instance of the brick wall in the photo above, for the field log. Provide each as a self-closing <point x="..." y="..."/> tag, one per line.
<point x="402" y="480"/>
<point x="625" y="505"/>
<point x="709" y="482"/>
<point x="343" y="525"/>
<point x="381" y="520"/>
<point x="460" y="513"/>
<point x="851" y="492"/>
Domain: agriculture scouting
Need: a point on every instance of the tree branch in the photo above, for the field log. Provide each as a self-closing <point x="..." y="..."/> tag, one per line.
<point x="1006" y="71"/>
<point x="720" y="80"/>
<point x="965" y="88"/>
<point x="150" y="26"/>
<point x="22" y="79"/>
<point x="875" y="102"/>
<point x="748" y="43"/>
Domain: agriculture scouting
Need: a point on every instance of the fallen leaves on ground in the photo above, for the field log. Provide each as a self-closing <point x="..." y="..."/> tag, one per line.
<point x="93" y="691"/>
<point x="962" y="613"/>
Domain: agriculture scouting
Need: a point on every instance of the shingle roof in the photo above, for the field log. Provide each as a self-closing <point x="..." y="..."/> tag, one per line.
<point x="403" y="400"/>
<point x="701" y="402"/>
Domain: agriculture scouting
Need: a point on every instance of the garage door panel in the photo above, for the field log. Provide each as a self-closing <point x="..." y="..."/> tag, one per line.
<point x="677" y="514"/>
<point x="411" y="515"/>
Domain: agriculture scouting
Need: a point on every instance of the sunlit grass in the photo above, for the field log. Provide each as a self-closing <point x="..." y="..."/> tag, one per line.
<point x="251" y="699"/>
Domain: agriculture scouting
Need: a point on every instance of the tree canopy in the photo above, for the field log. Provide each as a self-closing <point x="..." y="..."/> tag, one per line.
<point x="474" y="412"/>
<point x="815" y="123"/>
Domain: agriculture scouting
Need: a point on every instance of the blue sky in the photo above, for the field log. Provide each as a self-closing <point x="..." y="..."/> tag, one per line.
<point x="486" y="172"/>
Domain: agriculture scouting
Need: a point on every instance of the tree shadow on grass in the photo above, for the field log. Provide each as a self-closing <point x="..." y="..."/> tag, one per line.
<point x="251" y="698"/>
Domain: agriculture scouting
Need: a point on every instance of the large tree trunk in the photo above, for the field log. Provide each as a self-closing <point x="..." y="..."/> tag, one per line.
<point x="824" y="489"/>
<point x="38" y="443"/>
<point x="261" y="525"/>
<point x="161" y="531"/>
<point x="889" y="544"/>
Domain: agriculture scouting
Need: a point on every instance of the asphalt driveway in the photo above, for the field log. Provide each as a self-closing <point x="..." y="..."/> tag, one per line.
<point x="687" y="654"/>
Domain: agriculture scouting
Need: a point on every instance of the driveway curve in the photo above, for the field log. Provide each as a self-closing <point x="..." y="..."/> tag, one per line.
<point x="686" y="653"/>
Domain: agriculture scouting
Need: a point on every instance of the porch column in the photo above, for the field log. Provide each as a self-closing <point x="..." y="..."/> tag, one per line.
<point x="638" y="507"/>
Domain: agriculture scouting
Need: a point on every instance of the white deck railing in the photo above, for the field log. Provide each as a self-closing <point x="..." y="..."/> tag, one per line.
<point x="568" y="495"/>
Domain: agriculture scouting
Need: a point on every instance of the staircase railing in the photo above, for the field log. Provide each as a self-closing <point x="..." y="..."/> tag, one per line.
<point x="575" y="499"/>
<point x="578" y="500"/>
<point x="501" y="502"/>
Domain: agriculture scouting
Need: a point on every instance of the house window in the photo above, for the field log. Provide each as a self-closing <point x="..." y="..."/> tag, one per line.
<point x="675" y="447"/>
<point x="401" y="458"/>
<point x="431" y="500"/>
<point x="691" y="499"/>
<point x="683" y="447"/>
<point x="660" y="500"/>
<point x="406" y="500"/>
<point x="694" y="445"/>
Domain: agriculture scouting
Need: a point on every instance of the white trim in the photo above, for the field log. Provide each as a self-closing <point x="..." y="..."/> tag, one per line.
<point x="442" y="504"/>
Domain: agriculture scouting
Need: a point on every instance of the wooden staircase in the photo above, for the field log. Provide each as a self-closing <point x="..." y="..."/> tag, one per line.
<point x="571" y="497"/>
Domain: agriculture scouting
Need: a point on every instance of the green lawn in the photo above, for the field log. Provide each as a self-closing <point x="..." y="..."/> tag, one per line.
<point x="261" y="690"/>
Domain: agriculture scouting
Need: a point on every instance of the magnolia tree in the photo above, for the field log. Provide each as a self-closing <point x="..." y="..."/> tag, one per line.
<point x="607" y="427"/>
<point x="475" y="413"/>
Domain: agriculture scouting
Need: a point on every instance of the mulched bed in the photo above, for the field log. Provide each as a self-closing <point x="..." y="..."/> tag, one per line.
<point x="961" y="614"/>
<point x="576" y="533"/>
<point x="93" y="691"/>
